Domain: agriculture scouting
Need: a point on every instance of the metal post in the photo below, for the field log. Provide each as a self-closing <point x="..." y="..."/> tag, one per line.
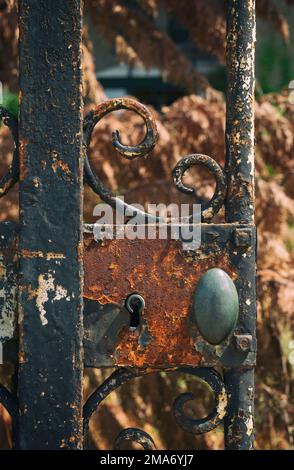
<point x="239" y="422"/>
<point x="240" y="110"/>
<point x="50" y="247"/>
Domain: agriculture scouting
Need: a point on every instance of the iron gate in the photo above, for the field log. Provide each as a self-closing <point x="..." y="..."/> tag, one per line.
<point x="82" y="303"/>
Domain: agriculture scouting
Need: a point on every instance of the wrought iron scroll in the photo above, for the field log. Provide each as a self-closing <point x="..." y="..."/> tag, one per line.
<point x="12" y="175"/>
<point x="209" y="209"/>
<point x="128" y="152"/>
<point x="204" y="425"/>
<point x="195" y="426"/>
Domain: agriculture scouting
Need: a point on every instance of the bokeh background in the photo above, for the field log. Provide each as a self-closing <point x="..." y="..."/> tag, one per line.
<point x="170" y="55"/>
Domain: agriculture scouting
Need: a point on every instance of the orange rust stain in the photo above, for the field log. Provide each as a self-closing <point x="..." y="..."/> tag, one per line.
<point x="166" y="276"/>
<point x="21" y="357"/>
<point x="58" y="163"/>
<point x="23" y="171"/>
<point x="2" y="271"/>
<point x="80" y="251"/>
<point x="40" y="254"/>
<point x="31" y="254"/>
<point x="52" y="255"/>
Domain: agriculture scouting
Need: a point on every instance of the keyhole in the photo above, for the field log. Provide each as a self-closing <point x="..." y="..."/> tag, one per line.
<point x="135" y="305"/>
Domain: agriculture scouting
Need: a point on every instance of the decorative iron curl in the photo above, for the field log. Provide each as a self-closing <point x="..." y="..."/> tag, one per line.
<point x="201" y="426"/>
<point x="127" y="151"/>
<point x="210" y="208"/>
<point x="12" y="175"/>
<point x="195" y="426"/>
<point x="134" y="435"/>
<point x="114" y="381"/>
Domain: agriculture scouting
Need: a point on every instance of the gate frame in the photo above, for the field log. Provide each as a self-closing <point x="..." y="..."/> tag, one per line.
<point x="48" y="415"/>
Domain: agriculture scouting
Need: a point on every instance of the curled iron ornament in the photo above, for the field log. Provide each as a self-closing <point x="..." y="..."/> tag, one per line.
<point x="194" y="426"/>
<point x="127" y="151"/>
<point x="12" y="175"/>
<point x="203" y="425"/>
<point x="210" y="208"/>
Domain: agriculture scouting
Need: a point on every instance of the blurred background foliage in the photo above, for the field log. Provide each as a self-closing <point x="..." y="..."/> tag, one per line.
<point x="171" y="56"/>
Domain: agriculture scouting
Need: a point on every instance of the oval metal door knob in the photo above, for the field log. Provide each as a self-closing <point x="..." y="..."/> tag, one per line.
<point x="215" y="306"/>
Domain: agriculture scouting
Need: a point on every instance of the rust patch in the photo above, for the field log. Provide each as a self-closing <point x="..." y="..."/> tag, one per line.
<point x="40" y="254"/>
<point x="23" y="171"/>
<point x="58" y="163"/>
<point x="166" y="277"/>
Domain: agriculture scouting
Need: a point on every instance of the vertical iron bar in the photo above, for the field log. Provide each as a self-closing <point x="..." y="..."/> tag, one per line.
<point x="50" y="285"/>
<point x="239" y="422"/>
<point x="240" y="110"/>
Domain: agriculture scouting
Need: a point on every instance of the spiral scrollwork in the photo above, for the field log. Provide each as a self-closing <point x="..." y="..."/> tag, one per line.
<point x="127" y="151"/>
<point x="194" y="426"/>
<point x="210" y="208"/>
<point x="12" y="175"/>
<point x="201" y="426"/>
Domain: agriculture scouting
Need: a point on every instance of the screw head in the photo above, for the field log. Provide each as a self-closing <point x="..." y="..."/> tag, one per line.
<point x="243" y="342"/>
<point x="242" y="237"/>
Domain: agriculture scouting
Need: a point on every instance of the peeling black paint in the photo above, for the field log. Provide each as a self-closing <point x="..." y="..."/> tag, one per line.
<point x="50" y="302"/>
<point x="240" y="110"/>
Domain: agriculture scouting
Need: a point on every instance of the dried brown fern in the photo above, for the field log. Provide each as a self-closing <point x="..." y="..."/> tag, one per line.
<point x="9" y="46"/>
<point x="205" y="23"/>
<point x="152" y="46"/>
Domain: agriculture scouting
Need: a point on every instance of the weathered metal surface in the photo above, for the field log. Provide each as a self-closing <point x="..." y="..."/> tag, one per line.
<point x="8" y="281"/>
<point x="239" y="421"/>
<point x="196" y="426"/>
<point x="241" y="38"/>
<point x="210" y="208"/>
<point x="129" y="152"/>
<point x="104" y="321"/>
<point x="240" y="110"/>
<point x="160" y="334"/>
<point x="166" y="277"/>
<point x="210" y="422"/>
<point x="50" y="248"/>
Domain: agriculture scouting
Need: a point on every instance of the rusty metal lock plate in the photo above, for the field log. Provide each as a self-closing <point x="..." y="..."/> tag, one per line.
<point x="166" y="276"/>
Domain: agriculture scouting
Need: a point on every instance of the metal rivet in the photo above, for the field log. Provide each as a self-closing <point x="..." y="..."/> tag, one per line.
<point x="242" y="237"/>
<point x="243" y="342"/>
